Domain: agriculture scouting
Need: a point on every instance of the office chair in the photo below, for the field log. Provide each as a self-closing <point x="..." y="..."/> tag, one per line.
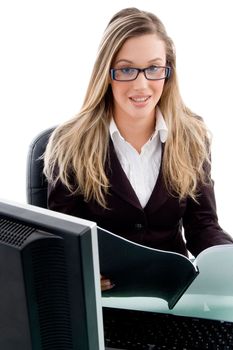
<point x="36" y="183"/>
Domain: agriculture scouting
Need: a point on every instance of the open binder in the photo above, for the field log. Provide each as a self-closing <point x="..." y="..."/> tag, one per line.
<point x="140" y="271"/>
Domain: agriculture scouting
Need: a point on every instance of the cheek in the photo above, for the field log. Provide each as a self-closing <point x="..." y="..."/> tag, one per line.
<point x="158" y="86"/>
<point x="118" y="91"/>
<point x="158" y="90"/>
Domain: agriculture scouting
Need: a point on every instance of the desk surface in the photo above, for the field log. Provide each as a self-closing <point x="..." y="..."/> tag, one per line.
<point x="194" y="305"/>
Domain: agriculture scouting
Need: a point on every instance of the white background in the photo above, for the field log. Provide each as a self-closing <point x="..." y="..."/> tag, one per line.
<point x="48" y="47"/>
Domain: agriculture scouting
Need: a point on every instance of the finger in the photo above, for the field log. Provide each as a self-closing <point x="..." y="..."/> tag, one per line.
<point x="106" y="284"/>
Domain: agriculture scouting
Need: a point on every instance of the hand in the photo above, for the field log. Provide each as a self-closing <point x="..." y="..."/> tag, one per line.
<point x="106" y="283"/>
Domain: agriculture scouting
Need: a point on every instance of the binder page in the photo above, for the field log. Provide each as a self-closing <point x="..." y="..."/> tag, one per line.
<point x="211" y="293"/>
<point x="215" y="265"/>
<point x="139" y="271"/>
<point x="209" y="296"/>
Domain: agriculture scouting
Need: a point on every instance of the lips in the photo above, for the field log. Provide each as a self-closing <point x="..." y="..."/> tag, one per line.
<point x="139" y="99"/>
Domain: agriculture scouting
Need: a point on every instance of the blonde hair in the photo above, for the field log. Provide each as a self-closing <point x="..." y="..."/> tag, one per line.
<point x="78" y="149"/>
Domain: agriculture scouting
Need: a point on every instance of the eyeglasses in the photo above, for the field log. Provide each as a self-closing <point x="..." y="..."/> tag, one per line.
<point x="150" y="73"/>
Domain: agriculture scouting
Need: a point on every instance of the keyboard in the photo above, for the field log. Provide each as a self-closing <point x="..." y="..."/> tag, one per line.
<point x="138" y="330"/>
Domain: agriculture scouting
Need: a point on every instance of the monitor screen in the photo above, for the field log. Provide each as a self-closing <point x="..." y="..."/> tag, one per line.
<point x="50" y="294"/>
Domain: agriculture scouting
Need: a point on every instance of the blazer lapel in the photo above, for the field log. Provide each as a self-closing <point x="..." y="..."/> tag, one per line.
<point x="159" y="194"/>
<point x="120" y="184"/>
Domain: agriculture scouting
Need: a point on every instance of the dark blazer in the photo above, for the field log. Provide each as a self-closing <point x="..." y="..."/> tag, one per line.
<point x="160" y="224"/>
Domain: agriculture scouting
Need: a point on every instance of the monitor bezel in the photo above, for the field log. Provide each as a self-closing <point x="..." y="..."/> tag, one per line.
<point x="55" y="222"/>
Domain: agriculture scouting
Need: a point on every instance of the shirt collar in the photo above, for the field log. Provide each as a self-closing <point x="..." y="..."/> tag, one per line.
<point x="113" y="129"/>
<point x="160" y="128"/>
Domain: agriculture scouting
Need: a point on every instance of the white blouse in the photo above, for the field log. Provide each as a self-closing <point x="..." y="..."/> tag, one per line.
<point x="141" y="169"/>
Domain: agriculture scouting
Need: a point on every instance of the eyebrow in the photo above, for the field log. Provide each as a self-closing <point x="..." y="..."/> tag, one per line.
<point x="131" y="62"/>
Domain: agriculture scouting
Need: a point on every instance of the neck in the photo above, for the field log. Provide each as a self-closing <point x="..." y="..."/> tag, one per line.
<point x="135" y="132"/>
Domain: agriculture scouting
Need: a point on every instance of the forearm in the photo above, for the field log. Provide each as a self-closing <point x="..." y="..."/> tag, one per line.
<point x="200" y="222"/>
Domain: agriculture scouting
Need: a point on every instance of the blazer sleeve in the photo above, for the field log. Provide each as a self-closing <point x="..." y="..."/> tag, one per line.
<point x="200" y="222"/>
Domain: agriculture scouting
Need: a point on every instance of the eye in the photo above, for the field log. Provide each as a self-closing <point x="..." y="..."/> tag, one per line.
<point x="152" y="69"/>
<point x="127" y="71"/>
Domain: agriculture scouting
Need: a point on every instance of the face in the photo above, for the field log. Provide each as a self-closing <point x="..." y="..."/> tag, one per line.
<point x="137" y="99"/>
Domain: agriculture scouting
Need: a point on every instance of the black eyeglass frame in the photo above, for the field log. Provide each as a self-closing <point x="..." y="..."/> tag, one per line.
<point x="139" y="70"/>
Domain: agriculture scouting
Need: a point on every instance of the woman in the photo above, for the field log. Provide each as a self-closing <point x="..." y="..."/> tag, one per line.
<point x="136" y="159"/>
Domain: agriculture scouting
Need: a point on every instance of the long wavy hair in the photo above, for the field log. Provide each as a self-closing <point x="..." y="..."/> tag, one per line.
<point x="78" y="149"/>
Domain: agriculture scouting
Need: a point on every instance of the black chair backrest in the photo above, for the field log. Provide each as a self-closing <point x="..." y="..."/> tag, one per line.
<point x="36" y="183"/>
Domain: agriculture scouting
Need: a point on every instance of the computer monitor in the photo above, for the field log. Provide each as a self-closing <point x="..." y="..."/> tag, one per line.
<point x="50" y="296"/>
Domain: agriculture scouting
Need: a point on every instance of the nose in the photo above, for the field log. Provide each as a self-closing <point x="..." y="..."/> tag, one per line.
<point x="141" y="81"/>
